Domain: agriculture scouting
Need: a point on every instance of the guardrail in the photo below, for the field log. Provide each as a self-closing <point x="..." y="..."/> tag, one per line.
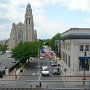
<point x="67" y="83"/>
<point x="46" y="84"/>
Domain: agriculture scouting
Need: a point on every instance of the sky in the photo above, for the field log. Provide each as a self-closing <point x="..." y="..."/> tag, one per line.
<point x="50" y="16"/>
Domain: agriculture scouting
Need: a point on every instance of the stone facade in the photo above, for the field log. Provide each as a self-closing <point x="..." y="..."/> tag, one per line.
<point x="75" y="42"/>
<point x="23" y="31"/>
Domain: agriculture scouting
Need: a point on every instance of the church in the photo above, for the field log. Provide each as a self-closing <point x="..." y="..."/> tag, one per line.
<point x="23" y="31"/>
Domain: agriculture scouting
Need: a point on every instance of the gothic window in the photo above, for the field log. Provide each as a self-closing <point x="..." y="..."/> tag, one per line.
<point x="20" y="35"/>
<point x="26" y="20"/>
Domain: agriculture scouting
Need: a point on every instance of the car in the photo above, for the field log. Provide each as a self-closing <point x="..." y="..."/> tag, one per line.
<point x="56" y="70"/>
<point x="41" y="57"/>
<point x="53" y="63"/>
<point x="2" y="70"/>
<point x="45" y="71"/>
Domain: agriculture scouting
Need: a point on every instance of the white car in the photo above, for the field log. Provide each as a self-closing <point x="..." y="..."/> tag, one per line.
<point x="45" y="71"/>
<point x="41" y="57"/>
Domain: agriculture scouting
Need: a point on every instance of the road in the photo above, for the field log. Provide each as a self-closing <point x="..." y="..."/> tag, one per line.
<point x="31" y="73"/>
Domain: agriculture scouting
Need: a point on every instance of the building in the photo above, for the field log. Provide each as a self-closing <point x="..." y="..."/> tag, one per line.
<point x="23" y="31"/>
<point x="58" y="47"/>
<point x="75" y="49"/>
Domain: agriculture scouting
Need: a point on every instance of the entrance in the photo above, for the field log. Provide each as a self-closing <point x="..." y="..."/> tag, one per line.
<point x="82" y="65"/>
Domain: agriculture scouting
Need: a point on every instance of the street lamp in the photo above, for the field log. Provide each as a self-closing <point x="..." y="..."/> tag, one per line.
<point x="84" y="68"/>
<point x="15" y="70"/>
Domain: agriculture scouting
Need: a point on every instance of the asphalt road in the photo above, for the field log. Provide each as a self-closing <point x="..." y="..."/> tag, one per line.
<point x="32" y="73"/>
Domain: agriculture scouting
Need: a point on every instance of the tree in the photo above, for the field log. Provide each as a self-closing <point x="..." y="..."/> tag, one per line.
<point x="3" y="47"/>
<point x="54" y="38"/>
<point x="25" y="50"/>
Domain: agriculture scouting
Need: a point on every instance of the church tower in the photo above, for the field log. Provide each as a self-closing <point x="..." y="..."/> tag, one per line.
<point x="23" y="31"/>
<point x="29" y="24"/>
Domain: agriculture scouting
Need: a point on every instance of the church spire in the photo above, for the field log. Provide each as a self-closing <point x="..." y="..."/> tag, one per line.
<point x="28" y="5"/>
<point x="28" y="8"/>
<point x="28" y="14"/>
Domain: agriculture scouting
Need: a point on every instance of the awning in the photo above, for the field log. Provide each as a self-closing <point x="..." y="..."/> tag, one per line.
<point x="84" y="57"/>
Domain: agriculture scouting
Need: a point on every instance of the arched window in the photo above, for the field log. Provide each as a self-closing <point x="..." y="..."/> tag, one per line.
<point x="20" y="35"/>
<point x="26" y="20"/>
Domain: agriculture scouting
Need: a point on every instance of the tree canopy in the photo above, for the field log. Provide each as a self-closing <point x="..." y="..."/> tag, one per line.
<point x="25" y="50"/>
<point x="3" y="47"/>
<point x="54" y="38"/>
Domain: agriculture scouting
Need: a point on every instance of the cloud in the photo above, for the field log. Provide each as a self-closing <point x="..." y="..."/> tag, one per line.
<point x="83" y="5"/>
<point x="14" y="11"/>
<point x="4" y="32"/>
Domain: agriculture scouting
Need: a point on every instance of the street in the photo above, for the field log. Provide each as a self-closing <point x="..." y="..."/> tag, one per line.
<point x="31" y="76"/>
<point x="31" y="73"/>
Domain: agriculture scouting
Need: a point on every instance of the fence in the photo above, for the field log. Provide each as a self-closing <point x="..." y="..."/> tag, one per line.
<point x="46" y="84"/>
<point x="9" y="82"/>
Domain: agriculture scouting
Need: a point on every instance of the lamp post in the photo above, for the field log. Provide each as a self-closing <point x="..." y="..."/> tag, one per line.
<point x="84" y="68"/>
<point x="15" y="71"/>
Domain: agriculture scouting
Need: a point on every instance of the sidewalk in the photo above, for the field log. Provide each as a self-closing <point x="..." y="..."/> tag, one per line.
<point x="12" y="75"/>
<point x="70" y="78"/>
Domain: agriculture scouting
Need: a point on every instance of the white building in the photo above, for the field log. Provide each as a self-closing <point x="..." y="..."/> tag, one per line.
<point x="74" y="44"/>
<point x="23" y="31"/>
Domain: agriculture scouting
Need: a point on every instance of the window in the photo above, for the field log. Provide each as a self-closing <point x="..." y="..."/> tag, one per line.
<point x="81" y="47"/>
<point x="63" y="56"/>
<point x="26" y="20"/>
<point x="29" y="20"/>
<point x="69" y="61"/>
<point x="68" y="47"/>
<point x="86" y="47"/>
<point x="66" y="58"/>
<point x="20" y="35"/>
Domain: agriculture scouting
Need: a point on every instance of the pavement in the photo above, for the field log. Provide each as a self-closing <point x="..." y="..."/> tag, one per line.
<point x="74" y="79"/>
<point x="13" y="75"/>
<point x="65" y="75"/>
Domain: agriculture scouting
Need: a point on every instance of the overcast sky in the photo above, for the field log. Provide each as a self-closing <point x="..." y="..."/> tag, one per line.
<point x="50" y="16"/>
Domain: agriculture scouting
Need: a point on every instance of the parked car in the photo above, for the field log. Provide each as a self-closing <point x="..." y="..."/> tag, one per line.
<point x="41" y="57"/>
<point x="2" y="70"/>
<point x="56" y="70"/>
<point x="45" y="71"/>
<point x="53" y="63"/>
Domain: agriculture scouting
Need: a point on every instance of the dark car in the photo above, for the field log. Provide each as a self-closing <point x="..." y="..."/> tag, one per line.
<point x="53" y="63"/>
<point x="56" y="70"/>
<point x="2" y="70"/>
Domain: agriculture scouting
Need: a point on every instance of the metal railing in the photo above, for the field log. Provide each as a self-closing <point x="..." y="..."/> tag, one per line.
<point x="36" y="84"/>
<point x="70" y="84"/>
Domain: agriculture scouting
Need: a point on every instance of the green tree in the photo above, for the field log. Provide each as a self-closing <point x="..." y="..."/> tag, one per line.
<point x="3" y="47"/>
<point x="54" y="38"/>
<point x="25" y="50"/>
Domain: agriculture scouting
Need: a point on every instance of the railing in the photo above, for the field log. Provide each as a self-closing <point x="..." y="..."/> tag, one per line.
<point x="65" y="85"/>
<point x="35" y="84"/>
